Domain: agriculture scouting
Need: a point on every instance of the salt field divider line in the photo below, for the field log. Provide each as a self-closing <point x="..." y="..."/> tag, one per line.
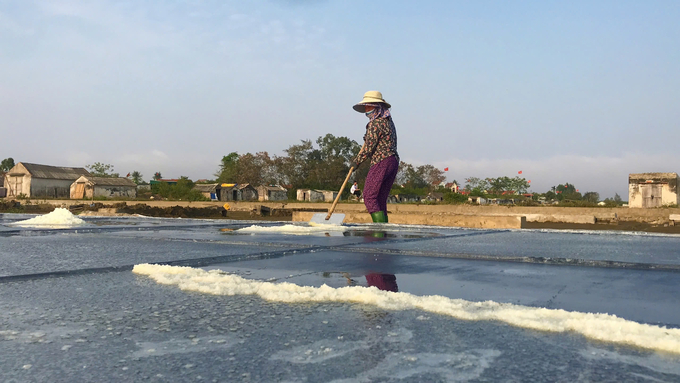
<point x="500" y="258"/>
<point x="195" y="262"/>
<point x="24" y="231"/>
<point x="207" y="261"/>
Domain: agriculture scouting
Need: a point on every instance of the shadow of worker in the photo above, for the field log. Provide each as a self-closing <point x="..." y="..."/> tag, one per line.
<point x="386" y="282"/>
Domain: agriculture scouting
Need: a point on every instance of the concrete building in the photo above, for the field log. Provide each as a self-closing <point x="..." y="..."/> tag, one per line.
<point x="478" y="200"/>
<point x="36" y="181"/>
<point x="272" y="193"/>
<point x="434" y="197"/>
<point x="88" y="187"/>
<point x="407" y="198"/>
<point x="230" y="192"/>
<point x="310" y="195"/>
<point x="328" y="195"/>
<point x="248" y="192"/>
<point x="652" y="189"/>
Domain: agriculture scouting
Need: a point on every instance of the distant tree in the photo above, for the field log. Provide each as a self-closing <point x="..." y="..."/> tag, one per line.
<point x="157" y="176"/>
<point x="296" y="166"/>
<point x="412" y="177"/>
<point x="228" y="169"/>
<point x="593" y="197"/>
<point x="99" y="169"/>
<point x="617" y="199"/>
<point x="472" y="183"/>
<point x="404" y="174"/>
<point x="430" y="175"/>
<point x="254" y="169"/>
<point x="182" y="190"/>
<point x="7" y="164"/>
<point x="567" y="191"/>
<point x="137" y="177"/>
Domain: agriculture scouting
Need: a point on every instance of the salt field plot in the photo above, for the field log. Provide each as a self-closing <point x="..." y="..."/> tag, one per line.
<point x="251" y="306"/>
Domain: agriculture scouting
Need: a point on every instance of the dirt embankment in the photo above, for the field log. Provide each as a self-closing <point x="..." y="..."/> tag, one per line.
<point x="621" y="219"/>
<point x="159" y="210"/>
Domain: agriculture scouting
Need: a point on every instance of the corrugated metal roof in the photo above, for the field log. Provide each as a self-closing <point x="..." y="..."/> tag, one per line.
<point x="273" y="188"/>
<point x="54" y="172"/>
<point x="206" y="188"/>
<point x="110" y="181"/>
<point x="243" y="186"/>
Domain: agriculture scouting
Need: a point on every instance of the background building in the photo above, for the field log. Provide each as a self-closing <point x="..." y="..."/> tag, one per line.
<point x="88" y="187"/>
<point x="36" y="181"/>
<point x="652" y="189"/>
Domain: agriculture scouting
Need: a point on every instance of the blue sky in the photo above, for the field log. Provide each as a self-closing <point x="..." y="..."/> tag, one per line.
<point x="583" y="92"/>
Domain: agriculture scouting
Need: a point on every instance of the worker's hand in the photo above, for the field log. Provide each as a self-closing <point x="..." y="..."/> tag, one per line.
<point x="353" y="165"/>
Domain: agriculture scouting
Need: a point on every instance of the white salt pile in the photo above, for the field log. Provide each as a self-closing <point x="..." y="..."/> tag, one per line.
<point x="60" y="217"/>
<point x="603" y="327"/>
<point x="313" y="228"/>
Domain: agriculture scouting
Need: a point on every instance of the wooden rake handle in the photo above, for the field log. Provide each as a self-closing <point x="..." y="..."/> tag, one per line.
<point x="330" y="212"/>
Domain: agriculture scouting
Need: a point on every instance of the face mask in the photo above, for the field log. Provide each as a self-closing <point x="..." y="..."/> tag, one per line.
<point x="371" y="113"/>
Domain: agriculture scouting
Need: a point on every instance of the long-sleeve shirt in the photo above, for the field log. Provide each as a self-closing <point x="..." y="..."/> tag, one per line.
<point x="380" y="141"/>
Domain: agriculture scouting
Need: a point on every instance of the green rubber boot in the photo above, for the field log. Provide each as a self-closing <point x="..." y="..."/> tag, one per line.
<point x="379" y="217"/>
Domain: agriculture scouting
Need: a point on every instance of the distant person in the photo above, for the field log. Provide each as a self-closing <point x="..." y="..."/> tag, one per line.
<point x="355" y="190"/>
<point x="380" y="145"/>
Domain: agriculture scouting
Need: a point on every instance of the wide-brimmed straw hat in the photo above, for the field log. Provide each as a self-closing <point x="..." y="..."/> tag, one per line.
<point x="371" y="97"/>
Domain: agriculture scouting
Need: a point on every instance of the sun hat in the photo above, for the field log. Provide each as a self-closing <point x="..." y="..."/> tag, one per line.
<point x="370" y="97"/>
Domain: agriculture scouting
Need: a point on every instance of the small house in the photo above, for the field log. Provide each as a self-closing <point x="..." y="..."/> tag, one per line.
<point x="477" y="200"/>
<point x="248" y="192"/>
<point x="88" y="187"/>
<point x="310" y="195"/>
<point x="652" y="189"/>
<point x="230" y="192"/>
<point x="452" y="186"/>
<point x="34" y="180"/>
<point x="272" y="193"/>
<point x="407" y="198"/>
<point x="435" y="197"/>
<point x="211" y="191"/>
<point x="328" y="195"/>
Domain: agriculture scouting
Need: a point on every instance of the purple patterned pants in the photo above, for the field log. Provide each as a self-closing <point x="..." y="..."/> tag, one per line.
<point x="378" y="184"/>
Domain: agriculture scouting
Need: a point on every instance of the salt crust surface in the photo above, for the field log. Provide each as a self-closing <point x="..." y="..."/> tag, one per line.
<point x="603" y="327"/>
<point x="313" y="228"/>
<point x="59" y="217"/>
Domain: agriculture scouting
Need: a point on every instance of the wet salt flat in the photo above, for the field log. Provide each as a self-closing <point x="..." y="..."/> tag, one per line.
<point x="513" y="305"/>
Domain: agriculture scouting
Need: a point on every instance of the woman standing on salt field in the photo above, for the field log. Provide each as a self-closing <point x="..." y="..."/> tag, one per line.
<point x="380" y="145"/>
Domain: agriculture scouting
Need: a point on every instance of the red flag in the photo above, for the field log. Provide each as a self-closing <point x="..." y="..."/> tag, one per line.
<point x="446" y="169"/>
<point x="128" y="175"/>
<point x="519" y="172"/>
<point x="529" y="181"/>
<point x="576" y="189"/>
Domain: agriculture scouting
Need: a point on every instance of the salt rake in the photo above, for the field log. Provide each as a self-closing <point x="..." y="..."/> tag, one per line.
<point x="330" y="219"/>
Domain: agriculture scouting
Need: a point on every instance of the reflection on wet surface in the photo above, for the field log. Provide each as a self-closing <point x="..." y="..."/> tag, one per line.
<point x="125" y="327"/>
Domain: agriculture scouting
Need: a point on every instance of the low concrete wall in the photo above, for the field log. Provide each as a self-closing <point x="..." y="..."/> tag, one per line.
<point x="450" y="220"/>
<point x="601" y="214"/>
<point x="560" y="218"/>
